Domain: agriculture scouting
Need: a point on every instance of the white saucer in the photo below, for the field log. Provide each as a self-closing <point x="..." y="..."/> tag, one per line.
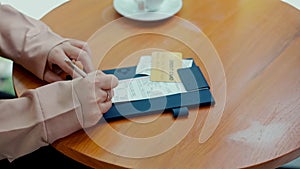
<point x="129" y="9"/>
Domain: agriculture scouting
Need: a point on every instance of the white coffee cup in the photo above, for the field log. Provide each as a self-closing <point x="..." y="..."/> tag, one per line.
<point x="149" y="5"/>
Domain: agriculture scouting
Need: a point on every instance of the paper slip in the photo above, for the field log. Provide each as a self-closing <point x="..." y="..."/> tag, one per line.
<point x="143" y="88"/>
<point x="165" y="66"/>
<point x="144" y="66"/>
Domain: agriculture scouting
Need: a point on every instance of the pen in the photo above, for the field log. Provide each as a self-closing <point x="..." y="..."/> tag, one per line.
<point x="76" y="68"/>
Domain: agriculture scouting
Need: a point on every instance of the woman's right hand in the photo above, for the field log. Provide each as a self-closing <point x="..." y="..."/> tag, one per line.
<point x="94" y="93"/>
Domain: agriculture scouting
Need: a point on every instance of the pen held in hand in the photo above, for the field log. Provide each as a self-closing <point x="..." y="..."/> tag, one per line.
<point x="75" y="68"/>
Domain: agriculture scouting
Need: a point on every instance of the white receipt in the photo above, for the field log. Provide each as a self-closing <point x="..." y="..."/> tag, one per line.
<point x="143" y="88"/>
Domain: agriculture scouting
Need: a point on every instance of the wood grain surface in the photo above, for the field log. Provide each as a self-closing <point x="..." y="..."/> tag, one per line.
<point x="248" y="50"/>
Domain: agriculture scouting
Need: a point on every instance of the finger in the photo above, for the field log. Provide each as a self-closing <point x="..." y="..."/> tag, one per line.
<point x="51" y="77"/>
<point x="58" y="57"/>
<point x="110" y="93"/>
<point x="102" y="96"/>
<point x="108" y="96"/>
<point x="79" y="54"/>
<point x="106" y="82"/>
<point x="79" y="64"/>
<point x="104" y="107"/>
<point x="82" y="45"/>
<point x="71" y="51"/>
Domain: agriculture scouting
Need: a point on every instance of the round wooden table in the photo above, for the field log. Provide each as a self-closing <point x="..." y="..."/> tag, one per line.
<point x="249" y="53"/>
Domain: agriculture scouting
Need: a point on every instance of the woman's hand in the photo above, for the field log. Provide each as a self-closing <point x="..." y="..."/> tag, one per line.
<point x="94" y="92"/>
<point x="76" y="50"/>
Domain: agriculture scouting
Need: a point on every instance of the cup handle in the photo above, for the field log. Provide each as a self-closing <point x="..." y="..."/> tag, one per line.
<point x="140" y="4"/>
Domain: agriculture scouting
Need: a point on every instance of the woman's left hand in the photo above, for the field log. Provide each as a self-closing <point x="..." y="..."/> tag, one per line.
<point x="75" y="50"/>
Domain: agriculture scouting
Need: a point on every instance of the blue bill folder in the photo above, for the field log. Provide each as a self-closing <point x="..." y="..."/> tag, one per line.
<point x="198" y="95"/>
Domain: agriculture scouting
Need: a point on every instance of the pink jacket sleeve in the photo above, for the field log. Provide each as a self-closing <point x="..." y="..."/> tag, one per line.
<point x="45" y="114"/>
<point x="25" y="40"/>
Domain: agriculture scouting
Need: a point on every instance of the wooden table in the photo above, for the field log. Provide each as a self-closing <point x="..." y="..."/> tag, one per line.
<point x="256" y="83"/>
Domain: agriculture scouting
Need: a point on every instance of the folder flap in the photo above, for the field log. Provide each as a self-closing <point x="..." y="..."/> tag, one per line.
<point x="192" y="78"/>
<point x="180" y="112"/>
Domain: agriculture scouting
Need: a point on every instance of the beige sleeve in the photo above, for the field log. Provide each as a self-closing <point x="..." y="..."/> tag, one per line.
<point x="25" y="40"/>
<point x="45" y="114"/>
<point x="26" y="124"/>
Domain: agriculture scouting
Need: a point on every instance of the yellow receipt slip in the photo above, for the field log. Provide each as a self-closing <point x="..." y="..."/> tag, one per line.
<point x="164" y="66"/>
